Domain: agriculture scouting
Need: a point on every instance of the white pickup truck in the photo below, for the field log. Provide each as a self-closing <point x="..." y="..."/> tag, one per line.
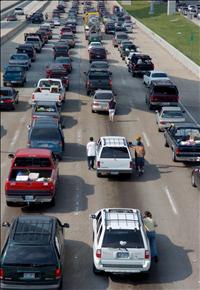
<point x="51" y="90"/>
<point x="113" y="156"/>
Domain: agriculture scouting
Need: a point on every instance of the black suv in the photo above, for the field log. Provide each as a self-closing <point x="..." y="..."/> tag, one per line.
<point x="33" y="254"/>
<point x="98" y="79"/>
<point x="28" y="49"/>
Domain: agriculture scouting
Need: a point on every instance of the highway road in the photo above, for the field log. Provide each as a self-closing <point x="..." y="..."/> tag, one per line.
<point x="6" y="4"/>
<point x="165" y="188"/>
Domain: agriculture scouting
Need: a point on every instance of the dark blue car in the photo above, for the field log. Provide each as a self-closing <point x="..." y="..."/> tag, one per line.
<point x="14" y="75"/>
<point x="46" y="133"/>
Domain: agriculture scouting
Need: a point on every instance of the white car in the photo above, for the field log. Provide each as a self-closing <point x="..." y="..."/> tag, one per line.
<point x="154" y="75"/>
<point x="128" y="58"/>
<point x="94" y="44"/>
<point x="120" y="243"/>
<point x="19" y="11"/>
<point x="113" y="156"/>
<point x="169" y="115"/>
<point x="56" y="21"/>
<point x="128" y="26"/>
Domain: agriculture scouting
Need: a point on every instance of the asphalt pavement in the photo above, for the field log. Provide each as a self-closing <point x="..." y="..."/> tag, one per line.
<point x="165" y="188"/>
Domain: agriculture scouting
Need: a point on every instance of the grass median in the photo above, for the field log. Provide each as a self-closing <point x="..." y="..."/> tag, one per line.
<point x="175" y="29"/>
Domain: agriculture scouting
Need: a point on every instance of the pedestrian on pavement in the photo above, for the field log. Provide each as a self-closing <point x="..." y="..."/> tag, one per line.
<point x="91" y="153"/>
<point x="46" y="16"/>
<point x="111" y="109"/>
<point x="150" y="225"/>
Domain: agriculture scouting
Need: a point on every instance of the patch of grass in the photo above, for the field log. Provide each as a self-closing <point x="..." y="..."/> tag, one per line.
<point x="175" y="29"/>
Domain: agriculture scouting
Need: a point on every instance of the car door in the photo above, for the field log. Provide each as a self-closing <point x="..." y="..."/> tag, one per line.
<point x="147" y="78"/>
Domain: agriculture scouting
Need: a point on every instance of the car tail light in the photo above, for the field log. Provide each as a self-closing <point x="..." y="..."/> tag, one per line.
<point x="33" y="97"/>
<point x="154" y="99"/>
<point x="98" y="164"/>
<point x="146" y="254"/>
<point x="98" y="253"/>
<point x="131" y="164"/>
<point x="34" y="117"/>
<point x="58" y="273"/>
<point x="8" y="101"/>
<point x="110" y="83"/>
<point x="178" y="150"/>
<point x="2" y="273"/>
<point x="96" y="103"/>
<point x="59" y="98"/>
<point x="162" y="122"/>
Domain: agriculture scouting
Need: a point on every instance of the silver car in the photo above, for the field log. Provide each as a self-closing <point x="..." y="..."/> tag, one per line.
<point x="100" y="100"/>
<point x="168" y="115"/>
<point x="20" y="59"/>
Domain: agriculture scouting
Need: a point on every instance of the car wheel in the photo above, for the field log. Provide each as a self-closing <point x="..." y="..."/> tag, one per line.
<point x="93" y="111"/>
<point x="99" y="174"/>
<point x="159" y="130"/>
<point x="88" y="93"/>
<point x="5" y="84"/>
<point x="53" y="201"/>
<point x="10" y="203"/>
<point x="193" y="181"/>
<point x="174" y="156"/>
<point x="96" y="271"/>
<point x="150" y="106"/>
<point x="166" y="143"/>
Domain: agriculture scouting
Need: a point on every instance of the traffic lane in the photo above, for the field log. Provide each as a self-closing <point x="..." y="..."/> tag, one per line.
<point x="5" y="4"/>
<point x="108" y="200"/>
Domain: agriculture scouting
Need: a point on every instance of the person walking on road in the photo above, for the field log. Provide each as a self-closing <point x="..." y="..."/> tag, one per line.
<point x="139" y="155"/>
<point x="91" y="153"/>
<point x="111" y="109"/>
<point x="150" y="225"/>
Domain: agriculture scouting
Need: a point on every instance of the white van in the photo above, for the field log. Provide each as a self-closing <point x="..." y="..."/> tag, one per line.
<point x="113" y="156"/>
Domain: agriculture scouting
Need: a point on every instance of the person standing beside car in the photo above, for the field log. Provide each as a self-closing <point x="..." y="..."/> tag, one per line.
<point x="111" y="109"/>
<point x="91" y="153"/>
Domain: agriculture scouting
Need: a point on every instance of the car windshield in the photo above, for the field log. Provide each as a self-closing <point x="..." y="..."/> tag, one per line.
<point x="48" y="84"/>
<point x="159" y="75"/>
<point x="98" y="75"/>
<point x="45" y="134"/>
<point x="133" y="238"/>
<point x="103" y="96"/>
<point x="29" y="255"/>
<point x="172" y="114"/>
<point x="166" y="90"/>
<point x="115" y="152"/>
<point x="31" y="39"/>
<point x="19" y="57"/>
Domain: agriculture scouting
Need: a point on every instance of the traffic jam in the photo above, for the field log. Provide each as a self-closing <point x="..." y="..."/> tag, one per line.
<point x="80" y="47"/>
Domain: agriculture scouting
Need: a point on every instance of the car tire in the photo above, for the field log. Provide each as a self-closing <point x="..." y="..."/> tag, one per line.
<point x="159" y="130"/>
<point x="93" y="111"/>
<point x="5" y="84"/>
<point x="96" y="271"/>
<point x="166" y="143"/>
<point x="88" y="93"/>
<point x="150" y="106"/>
<point x="53" y="201"/>
<point x="99" y="174"/>
<point x="193" y="181"/>
<point x="174" y="156"/>
<point x="10" y="203"/>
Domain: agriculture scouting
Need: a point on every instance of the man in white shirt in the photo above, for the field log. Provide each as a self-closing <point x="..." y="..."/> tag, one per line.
<point x="91" y="153"/>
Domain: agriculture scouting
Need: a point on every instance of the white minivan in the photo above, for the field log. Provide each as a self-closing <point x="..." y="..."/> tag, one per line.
<point x="113" y="156"/>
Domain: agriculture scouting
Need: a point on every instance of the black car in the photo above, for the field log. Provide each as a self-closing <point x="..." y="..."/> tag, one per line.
<point x="124" y="49"/>
<point x="33" y="254"/>
<point x="47" y="133"/>
<point x="196" y="177"/>
<point x="28" y="49"/>
<point x="97" y="53"/>
<point x="110" y="28"/>
<point x="61" y="48"/>
<point x="36" y="18"/>
<point x="9" y="97"/>
<point x="98" y="79"/>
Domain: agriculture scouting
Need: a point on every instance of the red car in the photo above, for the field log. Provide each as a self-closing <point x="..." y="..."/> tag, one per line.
<point x="65" y="29"/>
<point x="32" y="178"/>
<point x="12" y="17"/>
<point x="65" y="61"/>
<point x="57" y="71"/>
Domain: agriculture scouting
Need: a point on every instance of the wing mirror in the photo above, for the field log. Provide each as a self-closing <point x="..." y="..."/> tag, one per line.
<point x="65" y="225"/>
<point x="11" y="155"/>
<point x="28" y="127"/>
<point x="6" y="224"/>
<point x="92" y="216"/>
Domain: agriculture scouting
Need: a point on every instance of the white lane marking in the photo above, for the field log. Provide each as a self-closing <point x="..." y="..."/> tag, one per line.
<point x="193" y="119"/>
<point x="123" y="81"/>
<point x="14" y="138"/>
<point x="171" y="201"/>
<point x="146" y="139"/>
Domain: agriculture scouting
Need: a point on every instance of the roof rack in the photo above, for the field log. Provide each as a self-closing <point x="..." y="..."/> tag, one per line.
<point x="114" y="141"/>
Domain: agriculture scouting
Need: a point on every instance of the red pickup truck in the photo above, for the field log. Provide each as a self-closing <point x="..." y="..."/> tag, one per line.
<point x="33" y="177"/>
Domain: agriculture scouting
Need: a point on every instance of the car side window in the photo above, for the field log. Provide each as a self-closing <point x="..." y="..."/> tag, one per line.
<point x="99" y="234"/>
<point x="99" y="223"/>
<point x="99" y="145"/>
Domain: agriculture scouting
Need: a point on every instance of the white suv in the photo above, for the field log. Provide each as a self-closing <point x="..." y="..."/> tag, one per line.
<point x="120" y="243"/>
<point x="113" y="156"/>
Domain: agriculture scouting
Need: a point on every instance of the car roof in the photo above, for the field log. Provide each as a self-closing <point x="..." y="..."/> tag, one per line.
<point x="163" y="83"/>
<point x="114" y="141"/>
<point x="33" y="152"/>
<point x="121" y="218"/>
<point x="157" y="71"/>
<point x="33" y="229"/>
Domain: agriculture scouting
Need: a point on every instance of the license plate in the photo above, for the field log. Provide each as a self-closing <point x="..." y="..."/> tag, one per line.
<point x="114" y="172"/>
<point x="123" y="255"/>
<point x="165" y="104"/>
<point x="29" y="276"/>
<point x="29" y="197"/>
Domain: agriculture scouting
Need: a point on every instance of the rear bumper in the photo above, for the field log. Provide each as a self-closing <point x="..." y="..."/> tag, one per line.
<point x="99" y="109"/>
<point x="124" y="268"/>
<point x="188" y="158"/>
<point x="160" y="104"/>
<point x="27" y="286"/>
<point x="107" y="171"/>
<point x="29" y="198"/>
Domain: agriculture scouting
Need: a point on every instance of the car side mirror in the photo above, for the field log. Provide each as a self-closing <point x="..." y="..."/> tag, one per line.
<point x="92" y="216"/>
<point x="11" y="155"/>
<point x="65" y="225"/>
<point x="62" y="126"/>
<point x="28" y="127"/>
<point x="130" y="144"/>
<point x="156" y="111"/>
<point x="6" y="224"/>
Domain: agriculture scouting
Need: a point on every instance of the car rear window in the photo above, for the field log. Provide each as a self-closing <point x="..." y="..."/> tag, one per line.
<point x="45" y="134"/>
<point x="31" y="255"/>
<point x="32" y="161"/>
<point x="18" y="56"/>
<point x="103" y="96"/>
<point x="159" y="75"/>
<point x="44" y="108"/>
<point x="99" y="65"/>
<point x="122" y="36"/>
<point x="5" y="93"/>
<point x="172" y="114"/>
<point x="165" y="90"/>
<point x="115" y="152"/>
<point x="98" y="75"/>
<point x="133" y="238"/>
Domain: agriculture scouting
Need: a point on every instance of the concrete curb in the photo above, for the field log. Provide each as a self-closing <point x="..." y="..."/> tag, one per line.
<point x="183" y="59"/>
<point x="22" y="25"/>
